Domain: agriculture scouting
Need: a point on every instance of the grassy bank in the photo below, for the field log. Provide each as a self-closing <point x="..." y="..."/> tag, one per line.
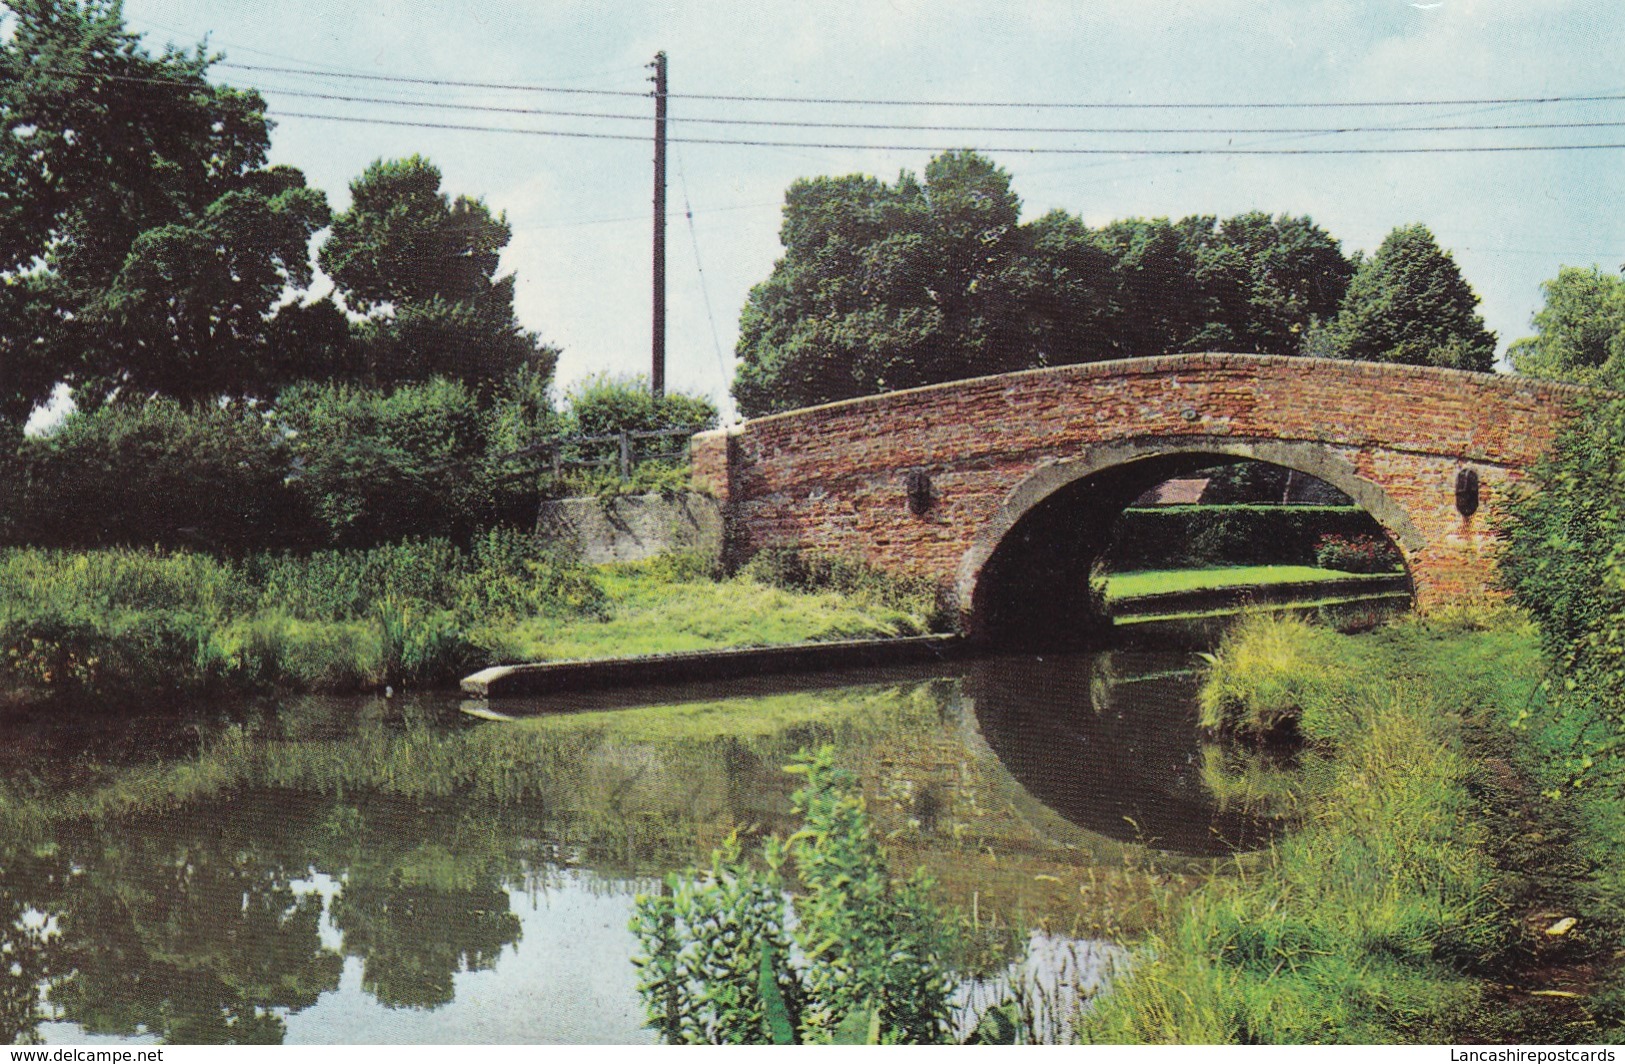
<point x="1162" y="581"/>
<point x="110" y="625"/>
<point x="1426" y="869"/>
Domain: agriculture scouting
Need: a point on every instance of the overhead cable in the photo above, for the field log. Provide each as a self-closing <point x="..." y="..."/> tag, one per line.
<point x="932" y="128"/>
<point x="1007" y="149"/>
<point x="1034" y="104"/>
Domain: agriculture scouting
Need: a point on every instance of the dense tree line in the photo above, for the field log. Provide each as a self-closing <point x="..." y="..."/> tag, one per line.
<point x="886" y="286"/>
<point x="153" y="264"/>
<point x="1580" y="332"/>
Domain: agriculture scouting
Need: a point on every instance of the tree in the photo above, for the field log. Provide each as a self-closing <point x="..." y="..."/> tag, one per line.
<point x="1409" y="304"/>
<point x="1266" y="279"/>
<point x="886" y="286"/>
<point x="157" y="473"/>
<point x="1071" y="305"/>
<point x="188" y="313"/>
<point x="422" y="267"/>
<point x="1157" y="299"/>
<point x="1580" y="332"/>
<point x="141" y="234"/>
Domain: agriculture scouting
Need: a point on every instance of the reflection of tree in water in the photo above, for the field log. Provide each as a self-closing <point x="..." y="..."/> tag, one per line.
<point x="419" y="912"/>
<point x="189" y="928"/>
<point x="194" y="928"/>
<point x="29" y="884"/>
<point x="416" y="937"/>
<point x="1110" y="743"/>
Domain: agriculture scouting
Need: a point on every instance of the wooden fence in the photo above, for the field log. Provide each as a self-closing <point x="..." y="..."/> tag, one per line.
<point x="583" y="452"/>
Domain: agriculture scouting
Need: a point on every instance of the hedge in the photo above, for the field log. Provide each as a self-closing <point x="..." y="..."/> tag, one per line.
<point x="1162" y="537"/>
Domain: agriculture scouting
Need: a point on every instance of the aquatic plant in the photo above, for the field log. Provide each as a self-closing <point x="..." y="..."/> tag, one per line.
<point x="717" y="966"/>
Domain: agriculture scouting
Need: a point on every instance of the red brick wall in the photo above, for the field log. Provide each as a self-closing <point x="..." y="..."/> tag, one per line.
<point x="831" y="478"/>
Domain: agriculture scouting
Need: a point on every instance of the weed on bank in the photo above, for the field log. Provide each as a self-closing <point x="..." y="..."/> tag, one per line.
<point x="1396" y="911"/>
<point x="108" y="626"/>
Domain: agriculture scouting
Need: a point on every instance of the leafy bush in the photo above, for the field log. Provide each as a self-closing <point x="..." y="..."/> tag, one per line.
<point x="717" y="965"/>
<point x="376" y="467"/>
<point x="1564" y="560"/>
<point x="649" y="477"/>
<point x="1356" y="554"/>
<point x="76" y="654"/>
<point x="602" y="405"/>
<point x="158" y="473"/>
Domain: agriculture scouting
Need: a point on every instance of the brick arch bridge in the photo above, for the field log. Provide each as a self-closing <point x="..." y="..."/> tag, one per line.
<point x="1003" y="489"/>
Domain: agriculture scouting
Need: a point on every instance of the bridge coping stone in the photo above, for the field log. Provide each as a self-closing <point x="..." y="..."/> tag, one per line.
<point x="1155" y="365"/>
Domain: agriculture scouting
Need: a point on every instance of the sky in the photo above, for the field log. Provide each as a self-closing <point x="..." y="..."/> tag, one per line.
<point x="580" y="207"/>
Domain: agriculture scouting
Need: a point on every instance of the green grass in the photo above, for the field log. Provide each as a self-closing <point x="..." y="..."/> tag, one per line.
<point x="1400" y="599"/>
<point x="703" y="616"/>
<point x="114" y="625"/>
<point x="1268" y="674"/>
<point x="1389" y="913"/>
<point x="1158" y="582"/>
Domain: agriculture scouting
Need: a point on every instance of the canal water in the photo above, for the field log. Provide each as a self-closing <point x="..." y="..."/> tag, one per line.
<point x="400" y="870"/>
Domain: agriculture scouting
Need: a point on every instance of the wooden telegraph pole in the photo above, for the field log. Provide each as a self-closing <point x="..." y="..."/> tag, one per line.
<point x="657" y="372"/>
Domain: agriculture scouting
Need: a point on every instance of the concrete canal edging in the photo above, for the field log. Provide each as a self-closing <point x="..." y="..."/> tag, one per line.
<point x="1205" y="608"/>
<point x="1210" y="599"/>
<point x="547" y="677"/>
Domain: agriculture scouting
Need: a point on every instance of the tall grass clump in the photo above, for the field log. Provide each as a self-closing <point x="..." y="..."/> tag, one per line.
<point x="120" y="623"/>
<point x="418" y="611"/>
<point x="1267" y="673"/>
<point x="1384" y="916"/>
<point x="120" y="579"/>
<point x="797" y="570"/>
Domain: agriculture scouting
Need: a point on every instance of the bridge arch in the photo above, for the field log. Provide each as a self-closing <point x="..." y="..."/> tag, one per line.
<point x="1057" y="521"/>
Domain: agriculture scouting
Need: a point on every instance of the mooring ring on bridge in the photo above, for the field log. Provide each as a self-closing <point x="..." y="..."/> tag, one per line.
<point x="917" y="486"/>
<point x="1467" y="491"/>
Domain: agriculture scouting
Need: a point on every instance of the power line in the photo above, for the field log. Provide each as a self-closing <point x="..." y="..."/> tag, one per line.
<point x="991" y="149"/>
<point x="931" y="128"/>
<point x="885" y="126"/>
<point x="775" y="204"/>
<point x="1187" y="106"/>
<point x="856" y="102"/>
<point x="444" y="82"/>
<point x="699" y="268"/>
